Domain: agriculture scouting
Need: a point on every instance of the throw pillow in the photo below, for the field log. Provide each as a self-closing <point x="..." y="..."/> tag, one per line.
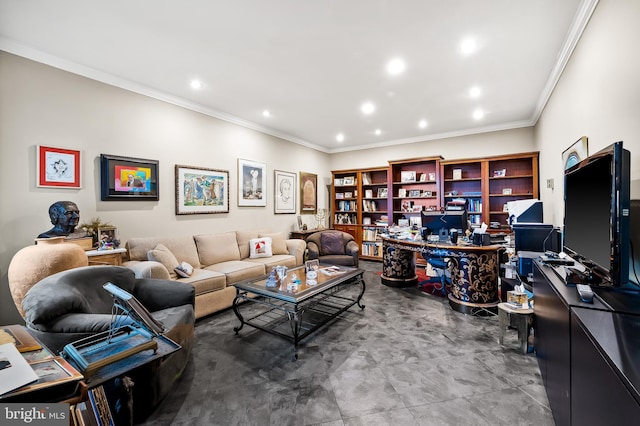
<point x="278" y="243"/>
<point x="260" y="247"/>
<point x="163" y="255"/>
<point x="331" y="243"/>
<point x="184" y="270"/>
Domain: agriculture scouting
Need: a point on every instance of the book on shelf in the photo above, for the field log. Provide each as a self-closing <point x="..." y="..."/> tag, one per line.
<point x="369" y="206"/>
<point x="366" y="178"/>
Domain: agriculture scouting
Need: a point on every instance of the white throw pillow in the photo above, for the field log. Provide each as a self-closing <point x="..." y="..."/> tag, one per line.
<point x="184" y="270"/>
<point x="260" y="247"/>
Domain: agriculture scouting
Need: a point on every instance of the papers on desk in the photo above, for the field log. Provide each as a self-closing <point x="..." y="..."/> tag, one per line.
<point x="332" y="270"/>
<point x="15" y="371"/>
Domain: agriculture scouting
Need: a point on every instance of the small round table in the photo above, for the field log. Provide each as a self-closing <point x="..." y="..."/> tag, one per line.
<point x="520" y="318"/>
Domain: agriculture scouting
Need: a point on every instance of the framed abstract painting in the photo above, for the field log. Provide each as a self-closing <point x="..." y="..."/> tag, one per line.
<point x="128" y="179"/>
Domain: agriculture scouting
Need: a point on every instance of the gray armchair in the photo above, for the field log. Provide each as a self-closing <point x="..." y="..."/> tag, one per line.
<point x="333" y="247"/>
<point x="72" y="304"/>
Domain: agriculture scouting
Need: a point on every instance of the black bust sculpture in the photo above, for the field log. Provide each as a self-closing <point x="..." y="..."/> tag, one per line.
<point x="64" y="217"/>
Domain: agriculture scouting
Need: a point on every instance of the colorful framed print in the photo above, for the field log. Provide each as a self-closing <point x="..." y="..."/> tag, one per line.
<point x="284" y="192"/>
<point x="252" y="183"/>
<point x="128" y="179"/>
<point x="201" y="191"/>
<point x="575" y="153"/>
<point x="308" y="193"/>
<point x="58" y="167"/>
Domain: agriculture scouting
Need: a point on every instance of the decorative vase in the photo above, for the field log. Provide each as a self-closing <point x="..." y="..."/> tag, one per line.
<point x="33" y="263"/>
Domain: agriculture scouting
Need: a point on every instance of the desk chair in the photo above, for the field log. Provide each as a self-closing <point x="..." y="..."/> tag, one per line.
<point x="440" y="265"/>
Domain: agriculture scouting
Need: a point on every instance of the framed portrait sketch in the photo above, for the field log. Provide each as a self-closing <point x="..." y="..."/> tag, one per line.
<point x="57" y="167"/>
<point x="252" y="183"/>
<point x="308" y="193"/>
<point x="201" y="191"/>
<point x="575" y="153"/>
<point x="284" y="192"/>
<point x="128" y="179"/>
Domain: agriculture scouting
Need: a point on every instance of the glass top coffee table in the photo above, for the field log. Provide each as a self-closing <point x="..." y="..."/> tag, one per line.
<point x="294" y="315"/>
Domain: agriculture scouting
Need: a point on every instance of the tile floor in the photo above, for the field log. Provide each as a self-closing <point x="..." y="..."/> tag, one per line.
<point x="406" y="359"/>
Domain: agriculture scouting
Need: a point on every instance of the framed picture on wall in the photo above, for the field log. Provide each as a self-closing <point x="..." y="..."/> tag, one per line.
<point x="284" y="192"/>
<point x="128" y="179"/>
<point x="252" y="183"/>
<point x="577" y="152"/>
<point x="201" y="191"/>
<point x="308" y="193"/>
<point x="58" y="167"/>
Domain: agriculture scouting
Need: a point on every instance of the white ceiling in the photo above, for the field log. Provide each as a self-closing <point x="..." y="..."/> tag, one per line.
<point x="312" y="63"/>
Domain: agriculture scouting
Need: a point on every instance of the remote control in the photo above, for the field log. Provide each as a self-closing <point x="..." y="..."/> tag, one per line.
<point x="585" y="292"/>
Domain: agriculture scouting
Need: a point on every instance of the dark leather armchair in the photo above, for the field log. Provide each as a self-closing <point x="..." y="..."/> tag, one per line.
<point x="72" y="304"/>
<point x="333" y="247"/>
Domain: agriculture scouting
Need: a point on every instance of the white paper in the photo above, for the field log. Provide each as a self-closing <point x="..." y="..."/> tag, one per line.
<point x="15" y="371"/>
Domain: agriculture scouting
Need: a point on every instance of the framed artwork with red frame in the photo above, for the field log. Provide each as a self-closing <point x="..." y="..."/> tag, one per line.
<point x="58" y="167"/>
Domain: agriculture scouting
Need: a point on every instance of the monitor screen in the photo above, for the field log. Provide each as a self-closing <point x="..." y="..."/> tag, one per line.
<point x="596" y="218"/>
<point x="449" y="219"/>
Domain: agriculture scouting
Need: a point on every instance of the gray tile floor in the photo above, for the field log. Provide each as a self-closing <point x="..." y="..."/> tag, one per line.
<point x="406" y="359"/>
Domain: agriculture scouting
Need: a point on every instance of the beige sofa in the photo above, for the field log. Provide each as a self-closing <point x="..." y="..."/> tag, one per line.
<point x="219" y="261"/>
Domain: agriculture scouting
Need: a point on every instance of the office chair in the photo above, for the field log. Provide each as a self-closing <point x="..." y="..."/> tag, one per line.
<point x="440" y="265"/>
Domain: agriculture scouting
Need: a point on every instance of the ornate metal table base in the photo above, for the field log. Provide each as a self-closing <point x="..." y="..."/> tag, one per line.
<point x="293" y="320"/>
<point x="398" y="267"/>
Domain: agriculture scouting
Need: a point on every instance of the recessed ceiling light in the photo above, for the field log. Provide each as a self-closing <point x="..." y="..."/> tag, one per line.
<point x="196" y="84"/>
<point x="340" y="137"/>
<point x="378" y="132"/>
<point x="367" y="108"/>
<point x="422" y="124"/>
<point x="474" y="92"/>
<point x="396" y="66"/>
<point x="478" y="114"/>
<point x="266" y="113"/>
<point x="468" y="46"/>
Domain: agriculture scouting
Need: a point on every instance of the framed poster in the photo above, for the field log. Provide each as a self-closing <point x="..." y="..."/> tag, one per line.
<point x="284" y="192"/>
<point x="252" y="183"/>
<point x="308" y="193"/>
<point x="128" y="179"/>
<point x="57" y="167"/>
<point x="201" y="191"/>
<point x="575" y="153"/>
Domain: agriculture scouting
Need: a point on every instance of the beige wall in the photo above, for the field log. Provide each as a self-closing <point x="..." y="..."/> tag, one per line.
<point x="598" y="96"/>
<point x="47" y="106"/>
<point x="480" y="145"/>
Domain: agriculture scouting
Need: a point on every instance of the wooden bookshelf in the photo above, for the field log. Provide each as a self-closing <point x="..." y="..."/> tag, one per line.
<point x="489" y="183"/>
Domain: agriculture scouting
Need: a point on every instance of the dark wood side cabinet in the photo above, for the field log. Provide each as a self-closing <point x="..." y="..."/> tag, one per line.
<point x="576" y="346"/>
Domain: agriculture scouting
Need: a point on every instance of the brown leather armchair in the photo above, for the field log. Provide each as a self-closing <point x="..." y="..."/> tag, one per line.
<point x="333" y="247"/>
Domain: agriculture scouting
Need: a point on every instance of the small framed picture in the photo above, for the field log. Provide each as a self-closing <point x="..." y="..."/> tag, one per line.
<point x="414" y="193"/>
<point x="423" y="177"/>
<point x="457" y="174"/>
<point x="252" y="183"/>
<point x="403" y="222"/>
<point x="407" y="176"/>
<point x="382" y="192"/>
<point x="311" y="265"/>
<point x="506" y="191"/>
<point x="348" y="195"/>
<point x="432" y="176"/>
<point x="500" y="173"/>
<point x="349" y="180"/>
<point x="402" y="192"/>
<point x="58" y="167"/>
<point x="505" y="208"/>
<point x="427" y="194"/>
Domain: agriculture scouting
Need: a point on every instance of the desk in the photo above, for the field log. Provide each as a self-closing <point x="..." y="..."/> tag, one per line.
<point x="474" y="271"/>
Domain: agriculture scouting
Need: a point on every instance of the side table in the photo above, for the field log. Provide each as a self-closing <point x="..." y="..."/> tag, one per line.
<point x="303" y="234"/>
<point x="520" y="318"/>
<point x="106" y="257"/>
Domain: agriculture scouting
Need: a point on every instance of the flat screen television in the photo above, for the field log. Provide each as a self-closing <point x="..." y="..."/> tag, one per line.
<point x="596" y="214"/>
<point x="449" y="219"/>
